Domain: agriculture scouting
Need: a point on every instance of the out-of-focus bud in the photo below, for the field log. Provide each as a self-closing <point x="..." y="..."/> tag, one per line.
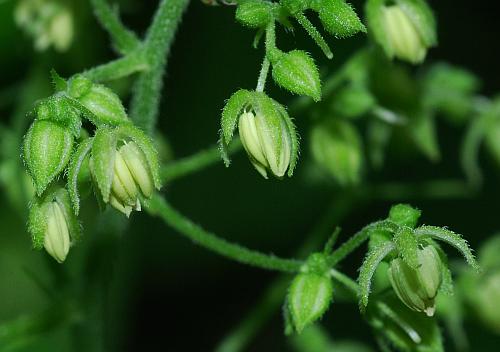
<point x="405" y="29"/>
<point x="266" y="152"/>
<point x="254" y="13"/>
<point x="404" y="215"/>
<point x="310" y="293"/>
<point x="336" y="146"/>
<point x="417" y="288"/>
<point x="50" y="23"/>
<point x="296" y="72"/>
<point x="52" y="223"/>
<point x="47" y="149"/>
<point x="101" y="101"/>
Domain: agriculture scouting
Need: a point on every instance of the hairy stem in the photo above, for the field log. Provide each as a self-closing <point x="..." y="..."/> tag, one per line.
<point x="314" y="34"/>
<point x="196" y="162"/>
<point x="119" y="68"/>
<point x="123" y="39"/>
<point x="261" y="83"/>
<point x="158" y="206"/>
<point x="147" y="90"/>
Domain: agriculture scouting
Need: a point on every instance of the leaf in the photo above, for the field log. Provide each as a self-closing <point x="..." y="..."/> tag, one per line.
<point x="74" y="169"/>
<point x="452" y="238"/>
<point x="370" y="264"/>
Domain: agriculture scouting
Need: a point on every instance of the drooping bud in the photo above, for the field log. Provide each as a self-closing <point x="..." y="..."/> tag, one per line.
<point x="310" y="293"/>
<point x="336" y="146"/>
<point x="405" y="29"/>
<point x="52" y="223"/>
<point x="47" y="149"/>
<point x="124" y="165"/>
<point x="296" y="72"/>
<point x="417" y="288"/>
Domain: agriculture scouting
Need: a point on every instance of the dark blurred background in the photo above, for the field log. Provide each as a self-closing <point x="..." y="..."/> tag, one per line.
<point x="157" y="290"/>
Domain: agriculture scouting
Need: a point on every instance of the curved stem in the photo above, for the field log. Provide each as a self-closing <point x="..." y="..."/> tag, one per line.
<point x="124" y="39"/>
<point x="147" y="90"/>
<point x="314" y="34"/>
<point x="193" y="163"/>
<point x="346" y="281"/>
<point x="160" y="207"/>
<point x="119" y="68"/>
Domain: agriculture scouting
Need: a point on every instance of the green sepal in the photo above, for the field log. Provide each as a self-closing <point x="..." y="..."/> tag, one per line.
<point x="368" y="268"/>
<point x="254" y="13"/>
<point x="407" y="246"/>
<point x="308" y="298"/>
<point x="294" y="157"/>
<point x="47" y="148"/>
<point x="422" y="129"/>
<point x="374" y="10"/>
<point x="74" y="168"/>
<point x="37" y="222"/>
<point x="450" y="237"/>
<point x="339" y="18"/>
<point x="103" y="159"/>
<point x="297" y="72"/>
<point x="422" y="17"/>
<point x="58" y="82"/>
<point x="146" y="145"/>
<point x="105" y="105"/>
<point x="78" y="86"/>
<point x="229" y="120"/>
<point x="61" y="196"/>
<point x="58" y="108"/>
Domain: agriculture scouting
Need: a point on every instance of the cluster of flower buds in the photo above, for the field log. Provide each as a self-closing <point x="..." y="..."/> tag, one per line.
<point x="119" y="160"/>
<point x="49" y="22"/>
<point x="417" y="265"/>
<point x="405" y="29"/>
<point x="266" y="132"/>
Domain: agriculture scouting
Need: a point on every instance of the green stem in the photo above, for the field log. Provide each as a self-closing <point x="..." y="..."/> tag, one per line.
<point x="147" y="90"/>
<point x="346" y="281"/>
<point x="314" y="34"/>
<point x="160" y="207"/>
<point x="355" y="241"/>
<point x="124" y="39"/>
<point x="261" y="83"/>
<point x="196" y="162"/>
<point x="271" y="300"/>
<point x="119" y="68"/>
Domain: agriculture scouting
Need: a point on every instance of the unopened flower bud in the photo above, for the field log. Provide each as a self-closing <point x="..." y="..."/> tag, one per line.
<point x="267" y="142"/>
<point x="56" y="240"/>
<point x="417" y="288"/>
<point x="254" y="13"/>
<point x="403" y="36"/>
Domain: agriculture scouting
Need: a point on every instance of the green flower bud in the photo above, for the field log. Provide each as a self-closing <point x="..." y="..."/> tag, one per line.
<point x="266" y="153"/>
<point x="310" y="293"/>
<point x="52" y="224"/>
<point x="105" y="106"/>
<point x="254" y="13"/>
<point x="336" y="146"/>
<point x="296" y="72"/>
<point x="404" y="215"/>
<point x="403" y="36"/>
<point x="417" y="288"/>
<point x="47" y="149"/>
<point x="296" y="6"/>
<point x="338" y="18"/>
